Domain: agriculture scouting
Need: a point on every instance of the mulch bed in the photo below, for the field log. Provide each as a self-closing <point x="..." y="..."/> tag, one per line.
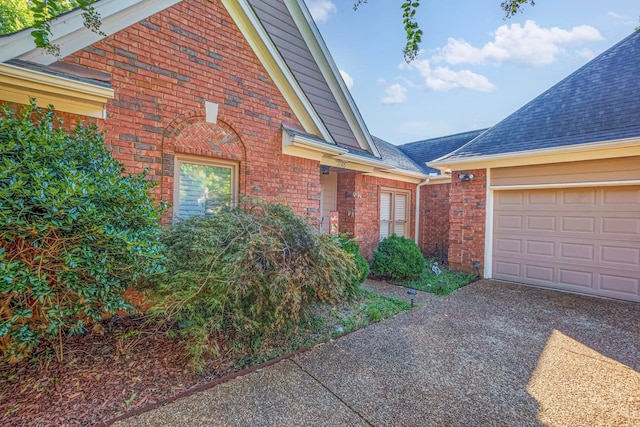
<point x="101" y="377"/>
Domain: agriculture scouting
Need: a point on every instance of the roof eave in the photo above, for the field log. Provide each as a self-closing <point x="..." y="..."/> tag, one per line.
<point x="591" y="151"/>
<point x="262" y="45"/>
<point x="330" y="72"/>
<point x="20" y="85"/>
<point x="70" y="34"/>
<point x="301" y="146"/>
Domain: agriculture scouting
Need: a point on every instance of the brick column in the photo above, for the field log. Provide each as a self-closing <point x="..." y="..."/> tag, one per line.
<point x="467" y="220"/>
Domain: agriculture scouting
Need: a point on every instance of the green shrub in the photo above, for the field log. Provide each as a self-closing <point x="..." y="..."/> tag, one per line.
<point x="362" y="265"/>
<point x="74" y="232"/>
<point x="397" y="258"/>
<point x="248" y="273"/>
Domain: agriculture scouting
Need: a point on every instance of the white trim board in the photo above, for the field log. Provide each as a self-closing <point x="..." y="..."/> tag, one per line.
<point x="314" y="41"/>
<point x="264" y="48"/>
<point x="70" y="34"/>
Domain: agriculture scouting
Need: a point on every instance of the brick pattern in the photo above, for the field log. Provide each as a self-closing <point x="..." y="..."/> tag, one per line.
<point x="467" y="220"/>
<point x="434" y="221"/>
<point x="358" y="207"/>
<point x="163" y="70"/>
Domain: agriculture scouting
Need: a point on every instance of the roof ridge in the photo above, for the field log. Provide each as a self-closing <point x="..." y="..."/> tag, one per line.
<point x="444" y="136"/>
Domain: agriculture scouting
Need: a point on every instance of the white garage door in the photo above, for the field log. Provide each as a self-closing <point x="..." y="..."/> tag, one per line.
<point x="578" y="239"/>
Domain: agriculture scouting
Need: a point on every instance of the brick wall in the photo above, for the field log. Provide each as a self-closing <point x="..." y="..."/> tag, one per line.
<point x="434" y="221"/>
<point x="467" y="220"/>
<point x="358" y="206"/>
<point x="163" y="70"/>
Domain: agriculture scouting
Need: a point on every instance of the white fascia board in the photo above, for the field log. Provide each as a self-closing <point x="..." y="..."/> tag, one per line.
<point x="312" y="37"/>
<point x="419" y="175"/>
<point x="70" y="34"/>
<point x="42" y="79"/>
<point x="364" y="161"/>
<point x="591" y="151"/>
<point x="251" y="28"/>
<point x="311" y="144"/>
<point x="439" y="179"/>
<point x="399" y="175"/>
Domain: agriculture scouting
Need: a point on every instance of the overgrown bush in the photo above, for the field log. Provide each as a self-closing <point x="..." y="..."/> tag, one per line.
<point x="248" y="273"/>
<point x="74" y="232"/>
<point x="362" y="265"/>
<point x="397" y="258"/>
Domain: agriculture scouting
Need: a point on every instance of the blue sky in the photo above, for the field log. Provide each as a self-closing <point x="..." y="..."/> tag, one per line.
<point x="475" y="67"/>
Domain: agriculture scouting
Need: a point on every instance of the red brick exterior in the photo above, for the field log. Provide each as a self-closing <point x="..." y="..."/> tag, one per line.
<point x="165" y="67"/>
<point x="163" y="70"/>
<point x="358" y="207"/>
<point x="434" y="221"/>
<point x="467" y="220"/>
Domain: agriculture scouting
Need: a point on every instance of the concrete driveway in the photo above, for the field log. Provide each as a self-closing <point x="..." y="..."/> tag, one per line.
<point x="492" y="354"/>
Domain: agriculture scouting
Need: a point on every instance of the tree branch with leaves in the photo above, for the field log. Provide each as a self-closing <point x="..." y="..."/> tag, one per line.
<point x="412" y="28"/>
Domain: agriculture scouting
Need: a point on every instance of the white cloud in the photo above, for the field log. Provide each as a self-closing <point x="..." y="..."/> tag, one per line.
<point x="321" y="10"/>
<point x="441" y="79"/>
<point x="529" y="45"/>
<point x="381" y="80"/>
<point x="348" y="80"/>
<point x="585" y="53"/>
<point x="395" y="94"/>
<point x="622" y="19"/>
<point x="616" y="15"/>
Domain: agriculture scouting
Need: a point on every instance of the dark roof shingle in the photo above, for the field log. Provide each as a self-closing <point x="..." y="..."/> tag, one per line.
<point x="428" y="150"/>
<point x="393" y="156"/>
<point x="596" y="103"/>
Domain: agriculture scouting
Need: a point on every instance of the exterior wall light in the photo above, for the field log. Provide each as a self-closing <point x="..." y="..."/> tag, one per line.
<point x="466" y="176"/>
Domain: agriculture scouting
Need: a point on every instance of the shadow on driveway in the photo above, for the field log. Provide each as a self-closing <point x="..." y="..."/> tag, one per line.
<point x="490" y="354"/>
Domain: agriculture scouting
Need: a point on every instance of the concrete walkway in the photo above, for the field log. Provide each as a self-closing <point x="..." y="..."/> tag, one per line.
<point x="492" y="354"/>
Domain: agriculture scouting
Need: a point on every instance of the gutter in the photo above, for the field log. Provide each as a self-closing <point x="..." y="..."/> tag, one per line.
<point x="590" y="151"/>
<point x="416" y="232"/>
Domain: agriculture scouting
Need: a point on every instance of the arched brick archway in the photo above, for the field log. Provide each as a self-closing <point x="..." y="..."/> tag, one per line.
<point x="190" y="134"/>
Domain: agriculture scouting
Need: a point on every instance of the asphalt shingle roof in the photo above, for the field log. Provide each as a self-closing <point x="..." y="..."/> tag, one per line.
<point x="599" y="102"/>
<point x="392" y="155"/>
<point x="428" y="150"/>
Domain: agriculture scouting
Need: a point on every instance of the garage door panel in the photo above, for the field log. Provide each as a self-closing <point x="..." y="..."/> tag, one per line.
<point x="581" y="279"/>
<point x="618" y="225"/>
<point x="539" y="272"/>
<point x="577" y="224"/>
<point x="541" y="223"/>
<point x="509" y="246"/>
<point x="542" y="199"/>
<point x="627" y="257"/>
<point x="578" y="239"/>
<point x="579" y="197"/>
<point x="508" y="270"/>
<point x="618" y="285"/>
<point x="509" y="222"/>
<point x="540" y="247"/>
<point x="577" y="251"/>
<point x="622" y="196"/>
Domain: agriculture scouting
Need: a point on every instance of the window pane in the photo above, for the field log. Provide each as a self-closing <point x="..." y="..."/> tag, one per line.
<point x="203" y="189"/>
<point x="385" y="207"/>
<point x="384" y="229"/>
<point x="401" y="207"/>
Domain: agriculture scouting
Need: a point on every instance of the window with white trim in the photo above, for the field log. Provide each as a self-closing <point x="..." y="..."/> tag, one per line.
<point x="394" y="213"/>
<point x="202" y="187"/>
